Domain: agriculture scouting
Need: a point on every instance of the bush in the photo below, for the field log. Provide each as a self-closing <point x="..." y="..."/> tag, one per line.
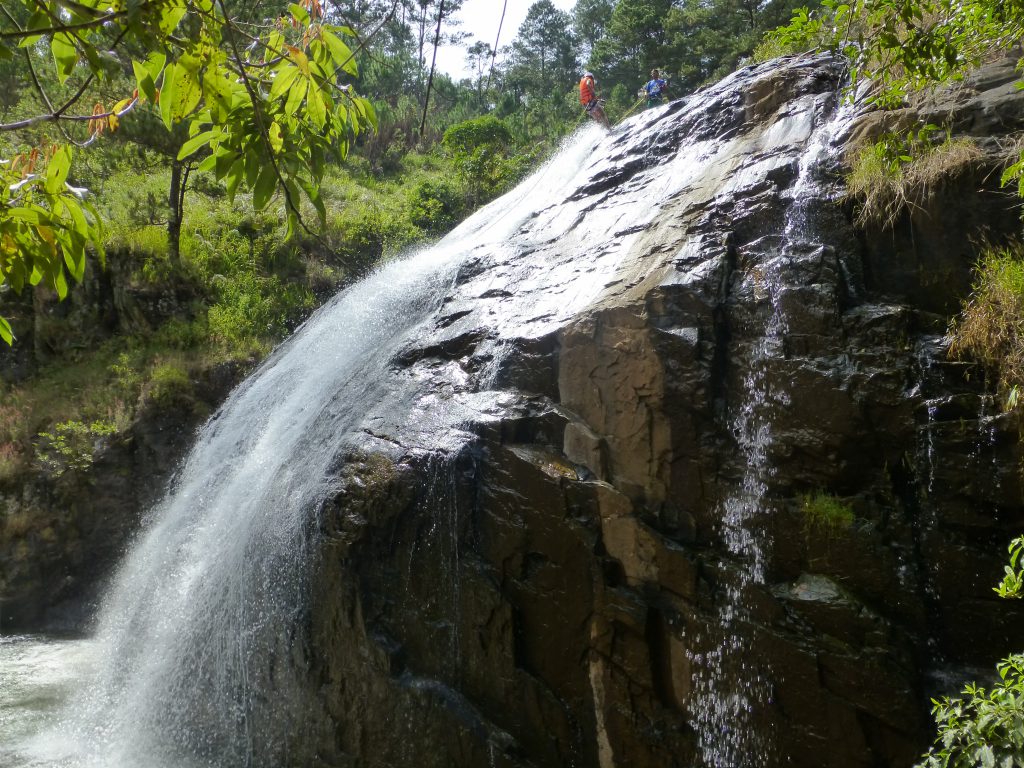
<point x="986" y="726"/>
<point x="990" y="326"/>
<point x="251" y="307"/>
<point x="434" y="206"/>
<point x="168" y="384"/>
<point x="366" y="234"/>
<point x="72" y="445"/>
<point x="480" y="150"/>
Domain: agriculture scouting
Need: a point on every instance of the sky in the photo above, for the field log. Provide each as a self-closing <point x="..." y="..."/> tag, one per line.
<point x="480" y="18"/>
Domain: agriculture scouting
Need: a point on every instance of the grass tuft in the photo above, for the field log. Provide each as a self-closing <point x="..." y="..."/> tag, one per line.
<point x="824" y="514"/>
<point x="894" y="175"/>
<point x="990" y="326"/>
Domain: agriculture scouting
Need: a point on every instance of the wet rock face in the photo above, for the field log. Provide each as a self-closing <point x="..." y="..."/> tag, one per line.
<point x="595" y="533"/>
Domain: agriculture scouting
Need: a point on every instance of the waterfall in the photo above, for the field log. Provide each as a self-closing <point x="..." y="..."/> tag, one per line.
<point x="204" y="640"/>
<point x="733" y="685"/>
<point x="201" y="635"/>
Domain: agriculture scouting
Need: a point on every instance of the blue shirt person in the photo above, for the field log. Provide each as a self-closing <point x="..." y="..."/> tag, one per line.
<point x="656" y="90"/>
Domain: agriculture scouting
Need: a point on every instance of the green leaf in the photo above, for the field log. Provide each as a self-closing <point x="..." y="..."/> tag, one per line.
<point x="276" y="139"/>
<point x="57" y="170"/>
<point x="60" y="283"/>
<point x="223" y="159"/>
<point x="200" y="140"/>
<point x="295" y="96"/>
<point x="145" y="83"/>
<point x="65" y="55"/>
<point x="5" y="332"/>
<point x="283" y="79"/>
<point x="38" y="20"/>
<point x="187" y="93"/>
<point x="155" y="64"/>
<point x="265" y="186"/>
<point x="168" y="95"/>
<point x="316" y="108"/>
<point x="234" y="177"/>
<point x="299" y="14"/>
<point x="173" y="13"/>
<point x="341" y="53"/>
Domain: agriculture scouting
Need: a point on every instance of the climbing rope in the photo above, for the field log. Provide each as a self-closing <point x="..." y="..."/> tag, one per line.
<point x="630" y="111"/>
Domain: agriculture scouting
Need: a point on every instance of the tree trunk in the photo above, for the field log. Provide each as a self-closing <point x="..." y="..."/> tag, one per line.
<point x="175" y="200"/>
<point x="433" y="63"/>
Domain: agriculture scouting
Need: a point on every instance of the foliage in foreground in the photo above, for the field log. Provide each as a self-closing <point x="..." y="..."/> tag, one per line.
<point x="985" y="727"/>
<point x="262" y="102"/>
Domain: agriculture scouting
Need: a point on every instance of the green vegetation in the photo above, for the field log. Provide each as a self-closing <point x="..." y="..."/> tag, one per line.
<point x="72" y="445"/>
<point x="990" y="327"/>
<point x="898" y="173"/>
<point x="824" y="514"/>
<point x="986" y="726"/>
<point x="263" y="121"/>
<point x="904" y="48"/>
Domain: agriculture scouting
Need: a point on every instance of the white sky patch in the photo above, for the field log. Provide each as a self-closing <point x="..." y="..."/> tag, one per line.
<point x="480" y="18"/>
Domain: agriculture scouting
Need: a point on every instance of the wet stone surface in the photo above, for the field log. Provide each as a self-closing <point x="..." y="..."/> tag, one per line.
<point x="638" y="390"/>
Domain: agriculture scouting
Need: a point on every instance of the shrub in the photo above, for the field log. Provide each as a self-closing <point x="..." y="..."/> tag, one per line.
<point x="250" y="307"/>
<point x="434" y="205"/>
<point x="72" y="445"/>
<point x="990" y="326"/>
<point x="985" y="727"/>
<point x="479" y="148"/>
<point x="368" y="234"/>
<point x="805" y="32"/>
<point x="897" y="173"/>
<point x="168" y="384"/>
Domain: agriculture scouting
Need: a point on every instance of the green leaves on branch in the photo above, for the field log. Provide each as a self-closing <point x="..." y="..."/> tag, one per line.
<point x="1012" y="584"/>
<point x="268" y="121"/>
<point x="904" y="45"/>
<point x="281" y="137"/>
<point x="265" y="106"/>
<point x="45" y="224"/>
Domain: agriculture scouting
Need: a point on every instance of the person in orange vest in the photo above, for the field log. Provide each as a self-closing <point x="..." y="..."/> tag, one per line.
<point x="589" y="100"/>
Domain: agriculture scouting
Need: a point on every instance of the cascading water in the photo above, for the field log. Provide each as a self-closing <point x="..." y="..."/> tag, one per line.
<point x="201" y="641"/>
<point x="734" y="686"/>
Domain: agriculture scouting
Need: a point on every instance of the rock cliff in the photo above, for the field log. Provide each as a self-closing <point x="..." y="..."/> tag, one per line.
<point x="589" y="536"/>
<point x="677" y="474"/>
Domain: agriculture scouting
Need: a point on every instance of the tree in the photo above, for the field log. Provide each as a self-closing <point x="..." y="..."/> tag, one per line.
<point x="634" y="42"/>
<point x="590" y="20"/>
<point x="547" y="46"/>
<point x="267" y="103"/>
<point x="478" y="56"/>
<point x="445" y="10"/>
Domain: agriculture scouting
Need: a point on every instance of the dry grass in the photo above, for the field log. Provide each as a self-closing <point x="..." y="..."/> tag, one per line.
<point x="887" y="180"/>
<point x="990" y="326"/>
